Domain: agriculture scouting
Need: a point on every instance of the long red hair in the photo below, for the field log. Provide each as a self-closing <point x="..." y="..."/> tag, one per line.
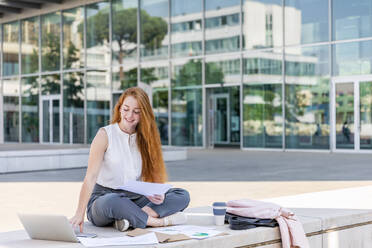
<point x="148" y="138"/>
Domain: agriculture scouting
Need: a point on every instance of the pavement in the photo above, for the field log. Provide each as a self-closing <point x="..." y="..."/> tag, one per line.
<point x="209" y="175"/>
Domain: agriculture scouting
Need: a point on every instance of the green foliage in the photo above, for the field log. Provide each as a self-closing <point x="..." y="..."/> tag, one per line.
<point x="50" y="52"/>
<point x="191" y="74"/>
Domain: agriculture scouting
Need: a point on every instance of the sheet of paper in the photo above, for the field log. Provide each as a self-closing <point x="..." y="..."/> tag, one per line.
<point x="194" y="232"/>
<point x="147" y="189"/>
<point x="146" y="239"/>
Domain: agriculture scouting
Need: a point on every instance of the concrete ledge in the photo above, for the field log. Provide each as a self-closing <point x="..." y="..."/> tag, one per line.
<point x="348" y="228"/>
<point x="31" y="160"/>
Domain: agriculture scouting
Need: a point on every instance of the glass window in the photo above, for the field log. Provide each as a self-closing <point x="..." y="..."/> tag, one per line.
<point x="224" y="126"/>
<point x="50" y="84"/>
<point x="262" y="99"/>
<point x="365" y="89"/>
<point x="222" y="70"/>
<point x="186" y="28"/>
<point x="50" y="41"/>
<point x="10" y="49"/>
<point x="187" y="73"/>
<point x="306" y="21"/>
<point x="124" y="35"/>
<point x="307" y="97"/>
<point x="124" y="77"/>
<point x="262" y="115"/>
<point x="97" y="28"/>
<point x="30" y="45"/>
<point x="154" y="29"/>
<point x="73" y="38"/>
<point x="262" y="24"/>
<point x="352" y="58"/>
<point x="222" y="29"/>
<point x="73" y="107"/>
<point x="155" y="81"/>
<point x="11" y="109"/>
<point x="30" y="109"/>
<point x="98" y="101"/>
<point x="187" y="118"/>
<point x="351" y="19"/>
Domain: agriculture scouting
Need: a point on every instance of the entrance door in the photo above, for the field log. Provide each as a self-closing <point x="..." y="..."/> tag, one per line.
<point x="221" y="109"/>
<point x="352" y="115"/>
<point x="50" y="116"/>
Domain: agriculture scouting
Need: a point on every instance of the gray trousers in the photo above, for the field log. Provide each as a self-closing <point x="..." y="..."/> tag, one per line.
<point x="107" y="205"/>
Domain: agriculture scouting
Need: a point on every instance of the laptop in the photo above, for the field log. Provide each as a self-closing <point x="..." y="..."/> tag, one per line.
<point x="50" y="227"/>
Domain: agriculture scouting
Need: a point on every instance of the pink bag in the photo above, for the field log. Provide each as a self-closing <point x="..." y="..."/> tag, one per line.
<point x="291" y="230"/>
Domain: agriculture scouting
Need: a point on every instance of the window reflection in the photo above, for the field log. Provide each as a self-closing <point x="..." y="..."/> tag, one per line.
<point x="98" y="101"/>
<point x="11" y="109"/>
<point x="155" y="81"/>
<point x="186" y="28"/>
<point x="262" y="116"/>
<point x="365" y="89"/>
<point x="306" y="21"/>
<point x="352" y="58"/>
<point x="30" y="45"/>
<point x="222" y="29"/>
<point x="222" y="70"/>
<point x="124" y="35"/>
<point x="307" y="98"/>
<point x="262" y="99"/>
<point x="97" y="34"/>
<point x="73" y="41"/>
<point x="351" y="19"/>
<point x="187" y="120"/>
<point x="50" y="41"/>
<point x="10" y="48"/>
<point x="51" y="84"/>
<point x="154" y="29"/>
<point x="262" y="24"/>
<point x="124" y="77"/>
<point x="187" y="73"/>
<point x="30" y="109"/>
<point x="73" y="107"/>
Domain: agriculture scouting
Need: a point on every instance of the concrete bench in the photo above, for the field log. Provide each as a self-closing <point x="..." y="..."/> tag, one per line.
<point x="66" y="158"/>
<point x="325" y="228"/>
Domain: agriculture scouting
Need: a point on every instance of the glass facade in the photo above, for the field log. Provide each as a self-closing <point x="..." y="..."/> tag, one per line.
<point x="30" y="109"/>
<point x="30" y="45"/>
<point x="307" y="97"/>
<point x="259" y="74"/>
<point x="11" y="109"/>
<point x="10" y="49"/>
<point x="51" y="41"/>
<point x="73" y="38"/>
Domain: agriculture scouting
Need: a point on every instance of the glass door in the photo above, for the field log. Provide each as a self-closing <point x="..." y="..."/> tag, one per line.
<point x="50" y="116"/>
<point x="345" y="115"/>
<point x="365" y="115"/>
<point x="352" y="114"/>
<point x="221" y="119"/>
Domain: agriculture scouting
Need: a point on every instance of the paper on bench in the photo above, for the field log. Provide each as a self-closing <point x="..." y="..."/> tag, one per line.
<point x="147" y="189"/>
<point x="194" y="232"/>
<point x="147" y="239"/>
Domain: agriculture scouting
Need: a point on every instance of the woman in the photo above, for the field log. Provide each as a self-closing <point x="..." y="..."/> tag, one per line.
<point x="128" y="149"/>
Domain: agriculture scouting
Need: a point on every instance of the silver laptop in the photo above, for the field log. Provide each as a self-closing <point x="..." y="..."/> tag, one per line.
<point x="50" y="227"/>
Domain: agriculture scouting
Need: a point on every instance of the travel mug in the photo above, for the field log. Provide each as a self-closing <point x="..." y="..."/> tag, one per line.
<point x="219" y="211"/>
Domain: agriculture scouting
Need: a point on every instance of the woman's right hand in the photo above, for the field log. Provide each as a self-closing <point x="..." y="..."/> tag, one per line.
<point x="77" y="220"/>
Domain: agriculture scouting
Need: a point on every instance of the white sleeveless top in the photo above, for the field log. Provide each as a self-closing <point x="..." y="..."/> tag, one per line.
<point x="122" y="160"/>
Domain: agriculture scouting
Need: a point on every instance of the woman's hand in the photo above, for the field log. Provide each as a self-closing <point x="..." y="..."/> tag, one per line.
<point x="156" y="199"/>
<point x="77" y="220"/>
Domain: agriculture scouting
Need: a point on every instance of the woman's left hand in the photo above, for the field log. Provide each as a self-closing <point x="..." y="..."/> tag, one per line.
<point x="156" y="199"/>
